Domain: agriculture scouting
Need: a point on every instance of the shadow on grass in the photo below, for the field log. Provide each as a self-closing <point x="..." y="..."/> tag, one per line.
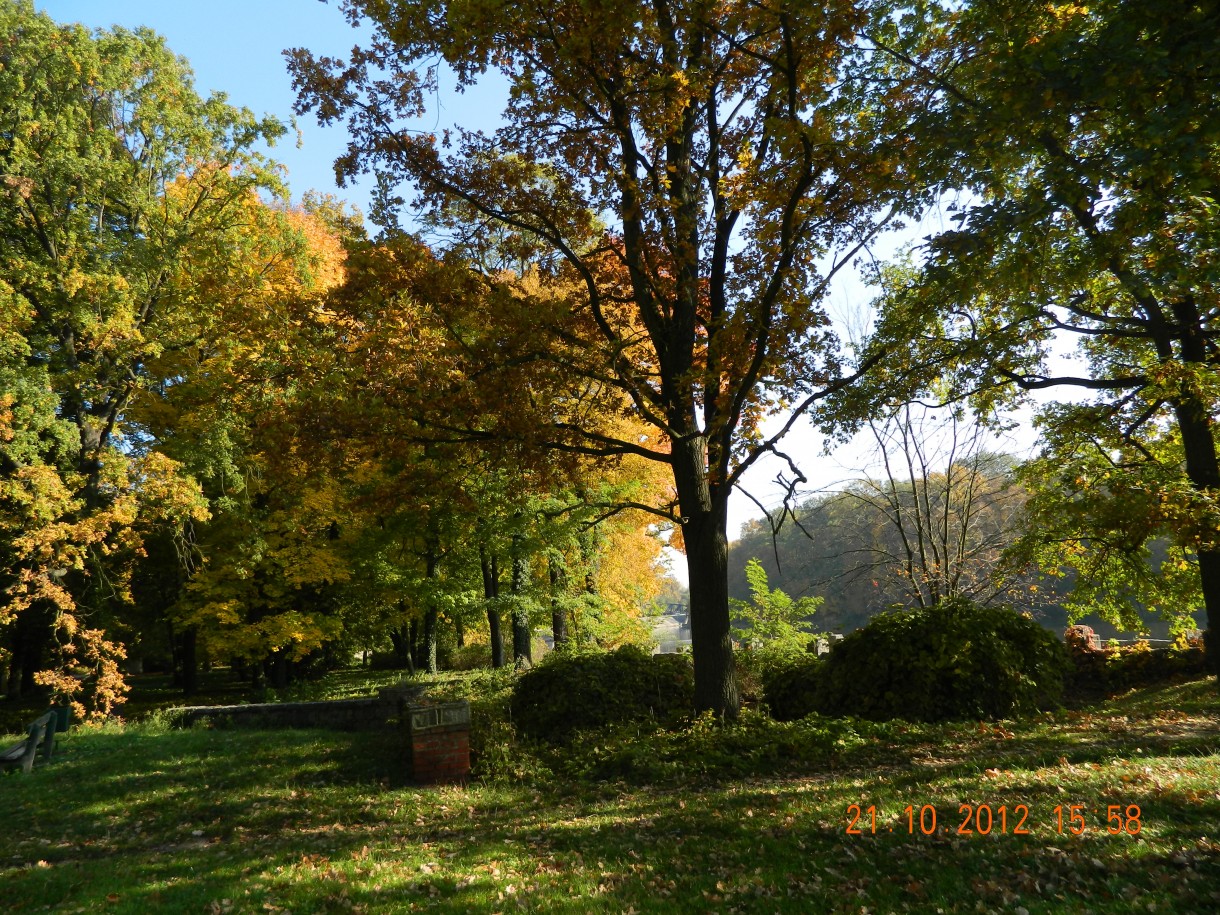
<point x="643" y="854"/>
<point x="244" y="821"/>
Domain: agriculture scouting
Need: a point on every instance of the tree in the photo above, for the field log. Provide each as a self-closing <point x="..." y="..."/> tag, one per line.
<point x="436" y="517"/>
<point x="1121" y="534"/>
<point x="726" y="147"/>
<point x="1086" y="140"/>
<point x="943" y="511"/>
<point x="773" y="617"/>
<point x="121" y="201"/>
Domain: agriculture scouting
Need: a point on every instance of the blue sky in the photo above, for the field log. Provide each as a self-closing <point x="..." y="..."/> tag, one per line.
<point x="236" y="47"/>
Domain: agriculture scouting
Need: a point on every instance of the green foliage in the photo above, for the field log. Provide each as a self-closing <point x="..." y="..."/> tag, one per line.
<point x="774" y="618"/>
<point x="1115" y="668"/>
<point x="571" y="690"/>
<point x="1126" y="536"/>
<point x="955" y="660"/>
<point x="791" y="691"/>
<point x="1090" y="216"/>
<point x="129" y="209"/>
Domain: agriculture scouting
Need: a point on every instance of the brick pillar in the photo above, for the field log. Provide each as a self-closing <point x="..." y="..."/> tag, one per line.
<point x="438" y="742"/>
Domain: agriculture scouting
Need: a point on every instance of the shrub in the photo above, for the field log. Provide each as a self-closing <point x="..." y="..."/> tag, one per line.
<point x="791" y="690"/>
<point x="570" y="691"/>
<point x="470" y="657"/>
<point x="773" y="618"/>
<point x="758" y="666"/>
<point x="956" y="660"/>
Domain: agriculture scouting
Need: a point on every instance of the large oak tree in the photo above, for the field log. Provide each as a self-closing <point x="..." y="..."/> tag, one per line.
<point x="697" y="171"/>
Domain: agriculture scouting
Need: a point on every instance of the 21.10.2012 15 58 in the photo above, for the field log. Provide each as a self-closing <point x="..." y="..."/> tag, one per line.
<point x="1005" y="819"/>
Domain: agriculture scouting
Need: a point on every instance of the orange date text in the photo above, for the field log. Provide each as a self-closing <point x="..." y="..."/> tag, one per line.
<point x="995" y="819"/>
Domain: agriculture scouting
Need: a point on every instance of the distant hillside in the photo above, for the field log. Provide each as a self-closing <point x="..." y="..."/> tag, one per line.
<point x="834" y="554"/>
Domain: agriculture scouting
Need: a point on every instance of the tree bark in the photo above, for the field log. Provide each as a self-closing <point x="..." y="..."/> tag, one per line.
<point x="277" y="670"/>
<point x="491" y="590"/>
<point x="428" y="648"/>
<point x="1203" y="470"/>
<point x="522" y="637"/>
<point x="559" y="621"/>
<point x="412" y="631"/>
<point x="1202" y="467"/>
<point x="705" y="535"/>
<point x="32" y="634"/>
<point x="400" y="638"/>
<point x="190" y="661"/>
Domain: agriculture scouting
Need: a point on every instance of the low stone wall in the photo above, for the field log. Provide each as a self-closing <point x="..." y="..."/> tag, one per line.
<point x="340" y="714"/>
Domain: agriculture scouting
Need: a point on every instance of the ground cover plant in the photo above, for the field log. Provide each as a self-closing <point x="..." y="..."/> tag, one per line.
<point x="137" y="817"/>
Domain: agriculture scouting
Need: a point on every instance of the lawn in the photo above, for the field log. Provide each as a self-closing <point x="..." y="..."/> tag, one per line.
<point x="141" y="818"/>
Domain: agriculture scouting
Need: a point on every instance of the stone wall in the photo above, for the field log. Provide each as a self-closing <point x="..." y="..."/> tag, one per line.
<point x="340" y="715"/>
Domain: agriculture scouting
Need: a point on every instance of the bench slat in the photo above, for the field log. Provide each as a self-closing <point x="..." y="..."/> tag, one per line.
<point x="42" y="732"/>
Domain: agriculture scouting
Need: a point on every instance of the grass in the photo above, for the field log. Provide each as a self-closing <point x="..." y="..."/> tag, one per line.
<point x="139" y="818"/>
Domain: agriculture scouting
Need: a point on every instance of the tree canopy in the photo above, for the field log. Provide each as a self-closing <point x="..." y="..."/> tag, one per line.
<point x="243" y="430"/>
<point x="693" y="175"/>
<point x="1089" y="215"/>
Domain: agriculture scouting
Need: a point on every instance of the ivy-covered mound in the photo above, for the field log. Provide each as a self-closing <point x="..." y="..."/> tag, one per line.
<point x="956" y="660"/>
<point x="570" y="692"/>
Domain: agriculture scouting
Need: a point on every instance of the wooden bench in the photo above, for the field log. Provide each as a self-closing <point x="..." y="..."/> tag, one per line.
<point x="42" y="733"/>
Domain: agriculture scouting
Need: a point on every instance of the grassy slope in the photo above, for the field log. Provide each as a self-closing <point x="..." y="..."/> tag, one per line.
<point x="139" y="820"/>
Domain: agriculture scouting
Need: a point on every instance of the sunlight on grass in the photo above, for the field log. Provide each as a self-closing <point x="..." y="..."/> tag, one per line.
<point x="308" y="821"/>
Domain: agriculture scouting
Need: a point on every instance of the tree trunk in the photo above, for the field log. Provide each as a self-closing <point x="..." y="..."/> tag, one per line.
<point x="522" y="637"/>
<point x="559" y="620"/>
<point x="428" y="644"/>
<point x="491" y="590"/>
<point x="175" y="658"/>
<point x="415" y="654"/>
<point x="32" y="634"/>
<point x="1203" y="470"/>
<point x="190" y="661"/>
<point x="705" y="535"/>
<point x="497" y="637"/>
<point x="428" y="648"/>
<point x="11" y="686"/>
<point x="400" y="639"/>
<point x="277" y="670"/>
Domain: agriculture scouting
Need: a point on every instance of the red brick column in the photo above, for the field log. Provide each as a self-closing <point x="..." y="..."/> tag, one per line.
<point x="438" y="742"/>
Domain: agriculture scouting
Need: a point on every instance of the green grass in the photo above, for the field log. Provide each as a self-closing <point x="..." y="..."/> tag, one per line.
<point x="140" y="819"/>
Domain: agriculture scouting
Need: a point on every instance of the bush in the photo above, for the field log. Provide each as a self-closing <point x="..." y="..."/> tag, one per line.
<point x="570" y="691"/>
<point x="791" y="690"/>
<point x="470" y="657"/>
<point x="758" y="666"/>
<point x="956" y="660"/>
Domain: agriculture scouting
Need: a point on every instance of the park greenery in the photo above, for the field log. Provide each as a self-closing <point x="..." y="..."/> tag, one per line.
<point x="255" y="447"/>
<point x="748" y="817"/>
<point x="245" y="432"/>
